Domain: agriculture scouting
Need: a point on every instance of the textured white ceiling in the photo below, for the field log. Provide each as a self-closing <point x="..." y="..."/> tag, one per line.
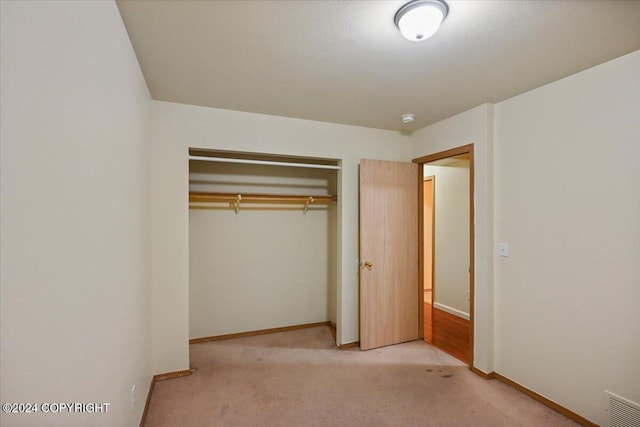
<point x="345" y="62"/>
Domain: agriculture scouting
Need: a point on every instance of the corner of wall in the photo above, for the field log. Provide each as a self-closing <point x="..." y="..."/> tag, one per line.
<point x="170" y="249"/>
<point x="490" y="365"/>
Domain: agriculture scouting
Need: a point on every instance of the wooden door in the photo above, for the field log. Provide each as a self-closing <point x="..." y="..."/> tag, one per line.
<point x="389" y="284"/>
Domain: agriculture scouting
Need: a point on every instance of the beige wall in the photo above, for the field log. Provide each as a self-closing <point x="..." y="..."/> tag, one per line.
<point x="567" y="201"/>
<point x="566" y="297"/>
<point x="176" y="127"/>
<point x="76" y="299"/>
<point x="260" y="269"/>
<point x="75" y="276"/>
<point x="451" y="268"/>
<point x="473" y="127"/>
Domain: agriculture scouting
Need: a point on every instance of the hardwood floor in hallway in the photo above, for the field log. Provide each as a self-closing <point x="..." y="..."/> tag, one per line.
<point x="447" y="332"/>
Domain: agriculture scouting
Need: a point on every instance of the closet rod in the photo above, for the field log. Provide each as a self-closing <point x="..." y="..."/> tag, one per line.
<point x="235" y="201"/>
<point x="263" y="162"/>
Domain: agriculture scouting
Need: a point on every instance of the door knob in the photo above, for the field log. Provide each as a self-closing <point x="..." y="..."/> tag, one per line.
<point x="368" y="264"/>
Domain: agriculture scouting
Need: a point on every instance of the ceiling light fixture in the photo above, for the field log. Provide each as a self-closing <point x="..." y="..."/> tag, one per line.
<point x="420" y="19"/>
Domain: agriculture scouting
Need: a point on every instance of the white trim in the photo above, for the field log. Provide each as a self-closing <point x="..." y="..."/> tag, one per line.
<point x="451" y="310"/>
<point x="263" y="162"/>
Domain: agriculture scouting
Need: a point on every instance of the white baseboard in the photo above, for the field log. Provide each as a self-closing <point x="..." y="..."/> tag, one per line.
<point x="451" y="310"/>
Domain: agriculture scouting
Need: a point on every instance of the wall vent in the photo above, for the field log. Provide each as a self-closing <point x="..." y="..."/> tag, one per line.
<point x="623" y="412"/>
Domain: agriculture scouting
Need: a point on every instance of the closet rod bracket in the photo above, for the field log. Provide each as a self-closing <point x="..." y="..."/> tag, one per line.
<point x="307" y="203"/>
<point x="236" y="204"/>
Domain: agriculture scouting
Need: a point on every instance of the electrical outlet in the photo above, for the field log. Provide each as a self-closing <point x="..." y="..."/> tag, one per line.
<point x="133" y="396"/>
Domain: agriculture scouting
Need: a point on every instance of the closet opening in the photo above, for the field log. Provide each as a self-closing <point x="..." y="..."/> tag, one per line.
<point x="263" y="235"/>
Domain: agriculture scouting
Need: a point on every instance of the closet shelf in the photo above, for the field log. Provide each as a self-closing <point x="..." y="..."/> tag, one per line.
<point x="236" y="201"/>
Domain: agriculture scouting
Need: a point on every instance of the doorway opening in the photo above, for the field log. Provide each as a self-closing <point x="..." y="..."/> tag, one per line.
<point x="446" y="252"/>
<point x="263" y="233"/>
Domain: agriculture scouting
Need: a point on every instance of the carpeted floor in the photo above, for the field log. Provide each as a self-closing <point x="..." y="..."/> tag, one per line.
<point x="299" y="378"/>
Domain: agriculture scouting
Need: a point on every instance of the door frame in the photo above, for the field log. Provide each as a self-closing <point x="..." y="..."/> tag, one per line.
<point x="421" y="266"/>
<point x="464" y="149"/>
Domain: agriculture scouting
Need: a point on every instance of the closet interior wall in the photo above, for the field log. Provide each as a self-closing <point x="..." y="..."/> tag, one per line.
<point x="261" y="268"/>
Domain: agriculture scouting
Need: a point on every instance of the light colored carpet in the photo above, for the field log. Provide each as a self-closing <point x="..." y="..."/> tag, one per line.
<point x="299" y="378"/>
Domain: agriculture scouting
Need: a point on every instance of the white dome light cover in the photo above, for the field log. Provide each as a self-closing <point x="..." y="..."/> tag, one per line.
<point x="420" y="19"/>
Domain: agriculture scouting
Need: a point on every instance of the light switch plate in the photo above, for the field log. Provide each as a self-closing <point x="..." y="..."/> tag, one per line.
<point x="504" y="249"/>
